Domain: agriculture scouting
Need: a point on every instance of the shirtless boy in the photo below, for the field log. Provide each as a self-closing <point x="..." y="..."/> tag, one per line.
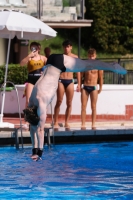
<point x="65" y="85"/>
<point x="91" y="78"/>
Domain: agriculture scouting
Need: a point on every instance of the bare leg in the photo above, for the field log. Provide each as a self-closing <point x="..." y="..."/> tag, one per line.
<point x="60" y="94"/>
<point x="40" y="129"/>
<point x="84" y="100"/>
<point x="93" y="96"/>
<point x="69" y="97"/>
<point x="33" y="130"/>
<point x="29" y="89"/>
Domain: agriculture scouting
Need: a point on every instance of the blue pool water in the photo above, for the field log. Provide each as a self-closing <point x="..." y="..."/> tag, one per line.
<point x="99" y="171"/>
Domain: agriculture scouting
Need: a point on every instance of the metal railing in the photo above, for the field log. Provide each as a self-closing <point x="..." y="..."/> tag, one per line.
<point x="20" y="76"/>
<point x="15" y="129"/>
<point x="112" y="78"/>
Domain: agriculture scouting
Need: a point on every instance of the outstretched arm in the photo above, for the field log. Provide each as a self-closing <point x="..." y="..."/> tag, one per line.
<point x="78" y="65"/>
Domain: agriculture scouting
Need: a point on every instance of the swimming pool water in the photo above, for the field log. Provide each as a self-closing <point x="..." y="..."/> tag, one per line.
<point x="101" y="171"/>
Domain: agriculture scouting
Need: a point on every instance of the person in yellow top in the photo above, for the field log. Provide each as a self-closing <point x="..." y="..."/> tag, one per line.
<point x="35" y="63"/>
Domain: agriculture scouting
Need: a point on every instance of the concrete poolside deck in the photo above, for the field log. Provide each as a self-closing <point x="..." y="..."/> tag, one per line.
<point x="105" y="131"/>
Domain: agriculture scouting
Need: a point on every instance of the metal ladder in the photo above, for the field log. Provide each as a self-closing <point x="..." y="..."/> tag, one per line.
<point x="47" y="130"/>
<point x="15" y="130"/>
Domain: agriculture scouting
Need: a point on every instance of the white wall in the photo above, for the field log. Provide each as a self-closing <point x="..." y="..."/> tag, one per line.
<point x="112" y="100"/>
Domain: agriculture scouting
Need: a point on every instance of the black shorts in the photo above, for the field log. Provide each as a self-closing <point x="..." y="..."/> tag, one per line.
<point x="33" y="79"/>
<point x="89" y="89"/>
<point x="57" y="60"/>
<point x="66" y="82"/>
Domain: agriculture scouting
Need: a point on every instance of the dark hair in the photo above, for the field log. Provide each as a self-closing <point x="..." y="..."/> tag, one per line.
<point x="47" y="48"/>
<point x="34" y="43"/>
<point x="66" y="43"/>
<point x="91" y="51"/>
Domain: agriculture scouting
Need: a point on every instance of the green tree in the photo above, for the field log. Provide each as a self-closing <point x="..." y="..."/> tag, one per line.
<point x="112" y="27"/>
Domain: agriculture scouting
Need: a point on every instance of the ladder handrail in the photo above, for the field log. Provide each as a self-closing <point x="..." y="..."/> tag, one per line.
<point x="4" y="84"/>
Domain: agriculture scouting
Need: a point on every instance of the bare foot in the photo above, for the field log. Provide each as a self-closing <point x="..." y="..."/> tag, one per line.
<point x="67" y="125"/>
<point x="56" y="125"/>
<point x="35" y="157"/>
<point x="83" y="128"/>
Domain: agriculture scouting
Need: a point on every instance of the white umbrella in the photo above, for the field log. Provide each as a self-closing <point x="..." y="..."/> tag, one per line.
<point x="23" y="26"/>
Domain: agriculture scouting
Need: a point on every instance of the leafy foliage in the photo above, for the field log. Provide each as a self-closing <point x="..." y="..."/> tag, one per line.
<point x="16" y="74"/>
<point x="112" y="27"/>
<point x="65" y="3"/>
